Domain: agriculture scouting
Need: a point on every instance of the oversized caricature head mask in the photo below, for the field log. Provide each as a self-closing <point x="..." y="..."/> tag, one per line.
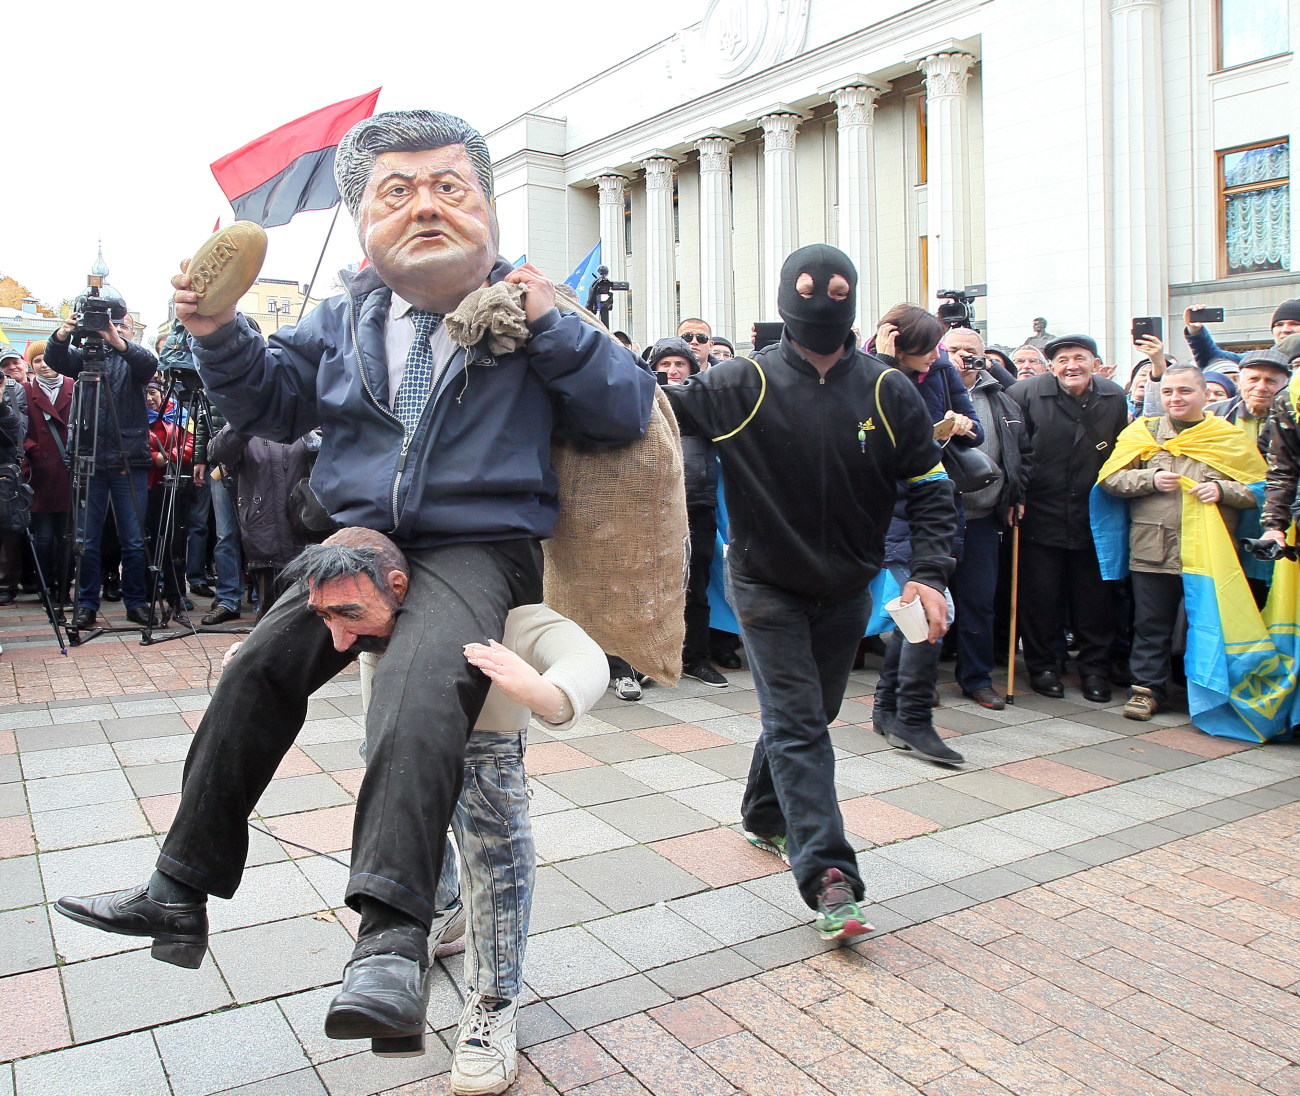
<point x="817" y="297"/>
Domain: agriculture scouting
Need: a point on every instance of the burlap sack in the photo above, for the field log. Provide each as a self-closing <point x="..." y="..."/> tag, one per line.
<point x="617" y="563"/>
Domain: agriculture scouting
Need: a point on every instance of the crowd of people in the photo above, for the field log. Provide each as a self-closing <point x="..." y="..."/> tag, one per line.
<point x="823" y="473"/>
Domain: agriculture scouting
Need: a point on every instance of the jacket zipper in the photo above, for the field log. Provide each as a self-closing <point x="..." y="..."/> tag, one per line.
<point x="365" y="383"/>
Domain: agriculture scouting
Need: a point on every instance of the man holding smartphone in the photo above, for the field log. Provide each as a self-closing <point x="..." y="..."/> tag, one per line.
<point x="1285" y="321"/>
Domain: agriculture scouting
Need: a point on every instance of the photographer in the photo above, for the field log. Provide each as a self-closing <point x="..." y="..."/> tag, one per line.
<point x="121" y="465"/>
<point x="999" y="505"/>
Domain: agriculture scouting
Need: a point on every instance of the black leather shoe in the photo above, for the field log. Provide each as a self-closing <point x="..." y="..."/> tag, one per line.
<point x="726" y="660"/>
<point x="987" y="697"/>
<point x="141" y="616"/>
<point x="1047" y="684"/>
<point x="84" y="619"/>
<point x="382" y="997"/>
<point x="112" y="589"/>
<point x="179" y="930"/>
<point x="1097" y="689"/>
<point x="202" y="589"/>
<point x="220" y="615"/>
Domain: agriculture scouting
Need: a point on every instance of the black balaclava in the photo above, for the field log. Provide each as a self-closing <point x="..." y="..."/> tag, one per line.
<point x="819" y="322"/>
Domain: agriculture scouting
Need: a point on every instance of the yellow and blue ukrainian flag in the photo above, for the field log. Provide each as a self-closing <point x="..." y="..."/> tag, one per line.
<point x="1240" y="664"/>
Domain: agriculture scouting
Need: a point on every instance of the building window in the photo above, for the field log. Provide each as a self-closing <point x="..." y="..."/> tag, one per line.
<point x="1250" y="30"/>
<point x="1256" y="201"/>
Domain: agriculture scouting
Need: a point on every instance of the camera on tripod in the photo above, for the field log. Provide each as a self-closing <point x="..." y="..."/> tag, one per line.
<point x="94" y="313"/>
<point x="959" y="311"/>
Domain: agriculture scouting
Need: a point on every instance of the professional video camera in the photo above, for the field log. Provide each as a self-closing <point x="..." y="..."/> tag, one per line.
<point x="960" y="309"/>
<point x="94" y="313"/>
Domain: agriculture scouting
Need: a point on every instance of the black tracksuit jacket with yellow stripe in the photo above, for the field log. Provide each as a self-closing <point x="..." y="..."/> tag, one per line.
<point x="811" y="467"/>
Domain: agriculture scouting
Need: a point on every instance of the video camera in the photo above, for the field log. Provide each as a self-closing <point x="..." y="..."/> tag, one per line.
<point x="94" y="313"/>
<point x="1267" y="550"/>
<point x="960" y="309"/>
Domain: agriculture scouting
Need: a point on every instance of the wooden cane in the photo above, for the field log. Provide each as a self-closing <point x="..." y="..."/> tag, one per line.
<point x="1015" y="601"/>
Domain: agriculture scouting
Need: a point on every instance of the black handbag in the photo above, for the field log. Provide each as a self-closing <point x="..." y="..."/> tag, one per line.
<point x="970" y="469"/>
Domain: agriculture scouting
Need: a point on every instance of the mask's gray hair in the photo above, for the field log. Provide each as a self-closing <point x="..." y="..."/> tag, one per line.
<point x="318" y="563"/>
<point x="404" y="131"/>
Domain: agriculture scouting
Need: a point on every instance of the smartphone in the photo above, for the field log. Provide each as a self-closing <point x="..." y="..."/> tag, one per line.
<point x="1148" y="325"/>
<point x="767" y="333"/>
<point x="1205" y="315"/>
<point x="661" y="376"/>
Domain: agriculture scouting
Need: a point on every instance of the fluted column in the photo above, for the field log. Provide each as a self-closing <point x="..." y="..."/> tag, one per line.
<point x="660" y="260"/>
<point x="613" y="247"/>
<point x="855" y="109"/>
<point x="948" y="212"/>
<point x="716" y="286"/>
<point x="1139" y="225"/>
<point x="780" y="202"/>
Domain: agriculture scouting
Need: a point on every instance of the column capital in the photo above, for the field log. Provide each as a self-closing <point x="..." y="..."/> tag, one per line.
<point x="855" y="104"/>
<point x="715" y="151"/>
<point x="1116" y="6"/>
<point x="946" y="73"/>
<point x="779" y="129"/>
<point x="659" y="171"/>
<point x="612" y="186"/>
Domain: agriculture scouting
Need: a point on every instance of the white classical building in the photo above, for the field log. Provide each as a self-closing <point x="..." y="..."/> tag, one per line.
<point x="1087" y="160"/>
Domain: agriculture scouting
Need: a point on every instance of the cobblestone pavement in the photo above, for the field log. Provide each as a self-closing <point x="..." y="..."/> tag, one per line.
<point x="1091" y="905"/>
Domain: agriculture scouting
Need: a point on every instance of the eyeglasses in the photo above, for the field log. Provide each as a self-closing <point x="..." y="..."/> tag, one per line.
<point x="697" y="337"/>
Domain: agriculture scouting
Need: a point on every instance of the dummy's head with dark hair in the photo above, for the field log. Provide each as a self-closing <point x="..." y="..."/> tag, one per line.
<point x="349" y="553"/>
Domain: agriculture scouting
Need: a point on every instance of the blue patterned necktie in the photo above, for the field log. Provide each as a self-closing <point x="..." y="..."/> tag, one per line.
<point x="417" y="377"/>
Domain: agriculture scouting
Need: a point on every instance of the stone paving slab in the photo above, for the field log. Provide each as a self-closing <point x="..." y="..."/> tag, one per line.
<point x="1142" y="871"/>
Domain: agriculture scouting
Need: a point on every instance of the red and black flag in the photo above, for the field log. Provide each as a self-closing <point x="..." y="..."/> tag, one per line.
<point x="290" y="169"/>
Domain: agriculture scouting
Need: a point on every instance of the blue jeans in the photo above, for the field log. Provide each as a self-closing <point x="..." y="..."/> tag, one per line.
<point x="494" y="840"/>
<point x="801" y="653"/>
<point x="974" y="589"/>
<point x="218" y="496"/>
<point x="130" y="498"/>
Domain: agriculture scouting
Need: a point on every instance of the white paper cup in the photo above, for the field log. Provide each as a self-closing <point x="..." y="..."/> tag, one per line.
<point x="909" y="616"/>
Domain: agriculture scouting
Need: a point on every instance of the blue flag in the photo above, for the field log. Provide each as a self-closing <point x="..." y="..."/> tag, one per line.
<point x="584" y="274"/>
<point x="522" y="259"/>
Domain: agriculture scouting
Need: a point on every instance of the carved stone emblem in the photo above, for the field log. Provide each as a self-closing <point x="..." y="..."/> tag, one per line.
<point x="748" y="35"/>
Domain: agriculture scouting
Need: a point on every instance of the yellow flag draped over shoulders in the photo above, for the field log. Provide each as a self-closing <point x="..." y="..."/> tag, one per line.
<point x="1216" y="442"/>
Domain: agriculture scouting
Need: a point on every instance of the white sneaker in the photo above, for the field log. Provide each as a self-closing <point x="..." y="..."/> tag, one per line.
<point x="485" y="1060"/>
<point x="626" y="688"/>
<point x="447" y="933"/>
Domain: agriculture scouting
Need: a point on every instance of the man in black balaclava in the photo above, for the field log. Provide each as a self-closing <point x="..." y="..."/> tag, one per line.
<point x="814" y="437"/>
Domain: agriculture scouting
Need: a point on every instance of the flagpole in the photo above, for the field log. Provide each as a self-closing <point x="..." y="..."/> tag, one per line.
<point x="319" y="259"/>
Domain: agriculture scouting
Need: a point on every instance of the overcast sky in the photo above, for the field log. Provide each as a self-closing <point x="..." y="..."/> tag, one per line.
<point x="117" y="111"/>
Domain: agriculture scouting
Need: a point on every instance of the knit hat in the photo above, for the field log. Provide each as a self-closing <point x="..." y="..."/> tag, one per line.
<point x="1289" y="347"/>
<point x="1287" y="310"/>
<point x="1269" y="359"/>
<point x="34" y="350"/>
<point x="718" y="340"/>
<point x="1224" y="381"/>
<point x="672" y="347"/>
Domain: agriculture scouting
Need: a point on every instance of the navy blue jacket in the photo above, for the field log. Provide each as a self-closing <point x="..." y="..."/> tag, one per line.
<point x="478" y="466"/>
<point x="124" y="378"/>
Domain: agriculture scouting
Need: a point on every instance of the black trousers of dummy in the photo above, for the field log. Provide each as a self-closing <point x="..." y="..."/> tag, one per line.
<point x="426" y="698"/>
<point x="1053" y="579"/>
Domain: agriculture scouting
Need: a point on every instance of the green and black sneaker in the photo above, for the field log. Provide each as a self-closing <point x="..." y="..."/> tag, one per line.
<point x="838" y="913"/>
<point x="775" y="845"/>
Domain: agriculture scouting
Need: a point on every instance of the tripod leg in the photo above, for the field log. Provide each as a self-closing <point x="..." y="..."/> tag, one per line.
<point x="45" y="595"/>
